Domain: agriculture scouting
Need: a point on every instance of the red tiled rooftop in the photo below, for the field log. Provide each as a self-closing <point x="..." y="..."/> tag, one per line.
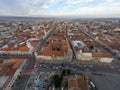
<point x="16" y="60"/>
<point x="97" y="54"/>
<point x="22" y="48"/>
<point x="80" y="83"/>
<point x="34" y="43"/>
<point x="17" y="65"/>
<point x="9" y="68"/>
<point x="9" y="48"/>
<point x="72" y="83"/>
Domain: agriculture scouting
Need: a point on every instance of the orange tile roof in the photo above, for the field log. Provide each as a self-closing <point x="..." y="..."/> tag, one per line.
<point x="9" y="48"/>
<point x="78" y="83"/>
<point x="34" y="43"/>
<point x="17" y="65"/>
<point x="17" y="59"/>
<point x="97" y="54"/>
<point x="22" y="48"/>
<point x="72" y="83"/>
<point x="11" y="72"/>
<point x="82" y="83"/>
<point x="9" y="68"/>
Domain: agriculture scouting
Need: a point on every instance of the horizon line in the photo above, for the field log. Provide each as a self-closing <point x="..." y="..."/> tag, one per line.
<point x="67" y="16"/>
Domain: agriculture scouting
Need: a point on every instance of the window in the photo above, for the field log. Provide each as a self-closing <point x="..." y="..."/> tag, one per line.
<point x="55" y="48"/>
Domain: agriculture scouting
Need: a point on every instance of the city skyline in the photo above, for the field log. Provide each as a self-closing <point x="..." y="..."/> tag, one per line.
<point x="60" y="8"/>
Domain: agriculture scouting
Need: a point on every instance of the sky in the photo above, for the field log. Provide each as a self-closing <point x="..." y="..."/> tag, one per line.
<point x="75" y="8"/>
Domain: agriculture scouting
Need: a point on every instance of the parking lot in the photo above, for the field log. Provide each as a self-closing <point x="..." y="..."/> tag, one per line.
<point x="106" y="81"/>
